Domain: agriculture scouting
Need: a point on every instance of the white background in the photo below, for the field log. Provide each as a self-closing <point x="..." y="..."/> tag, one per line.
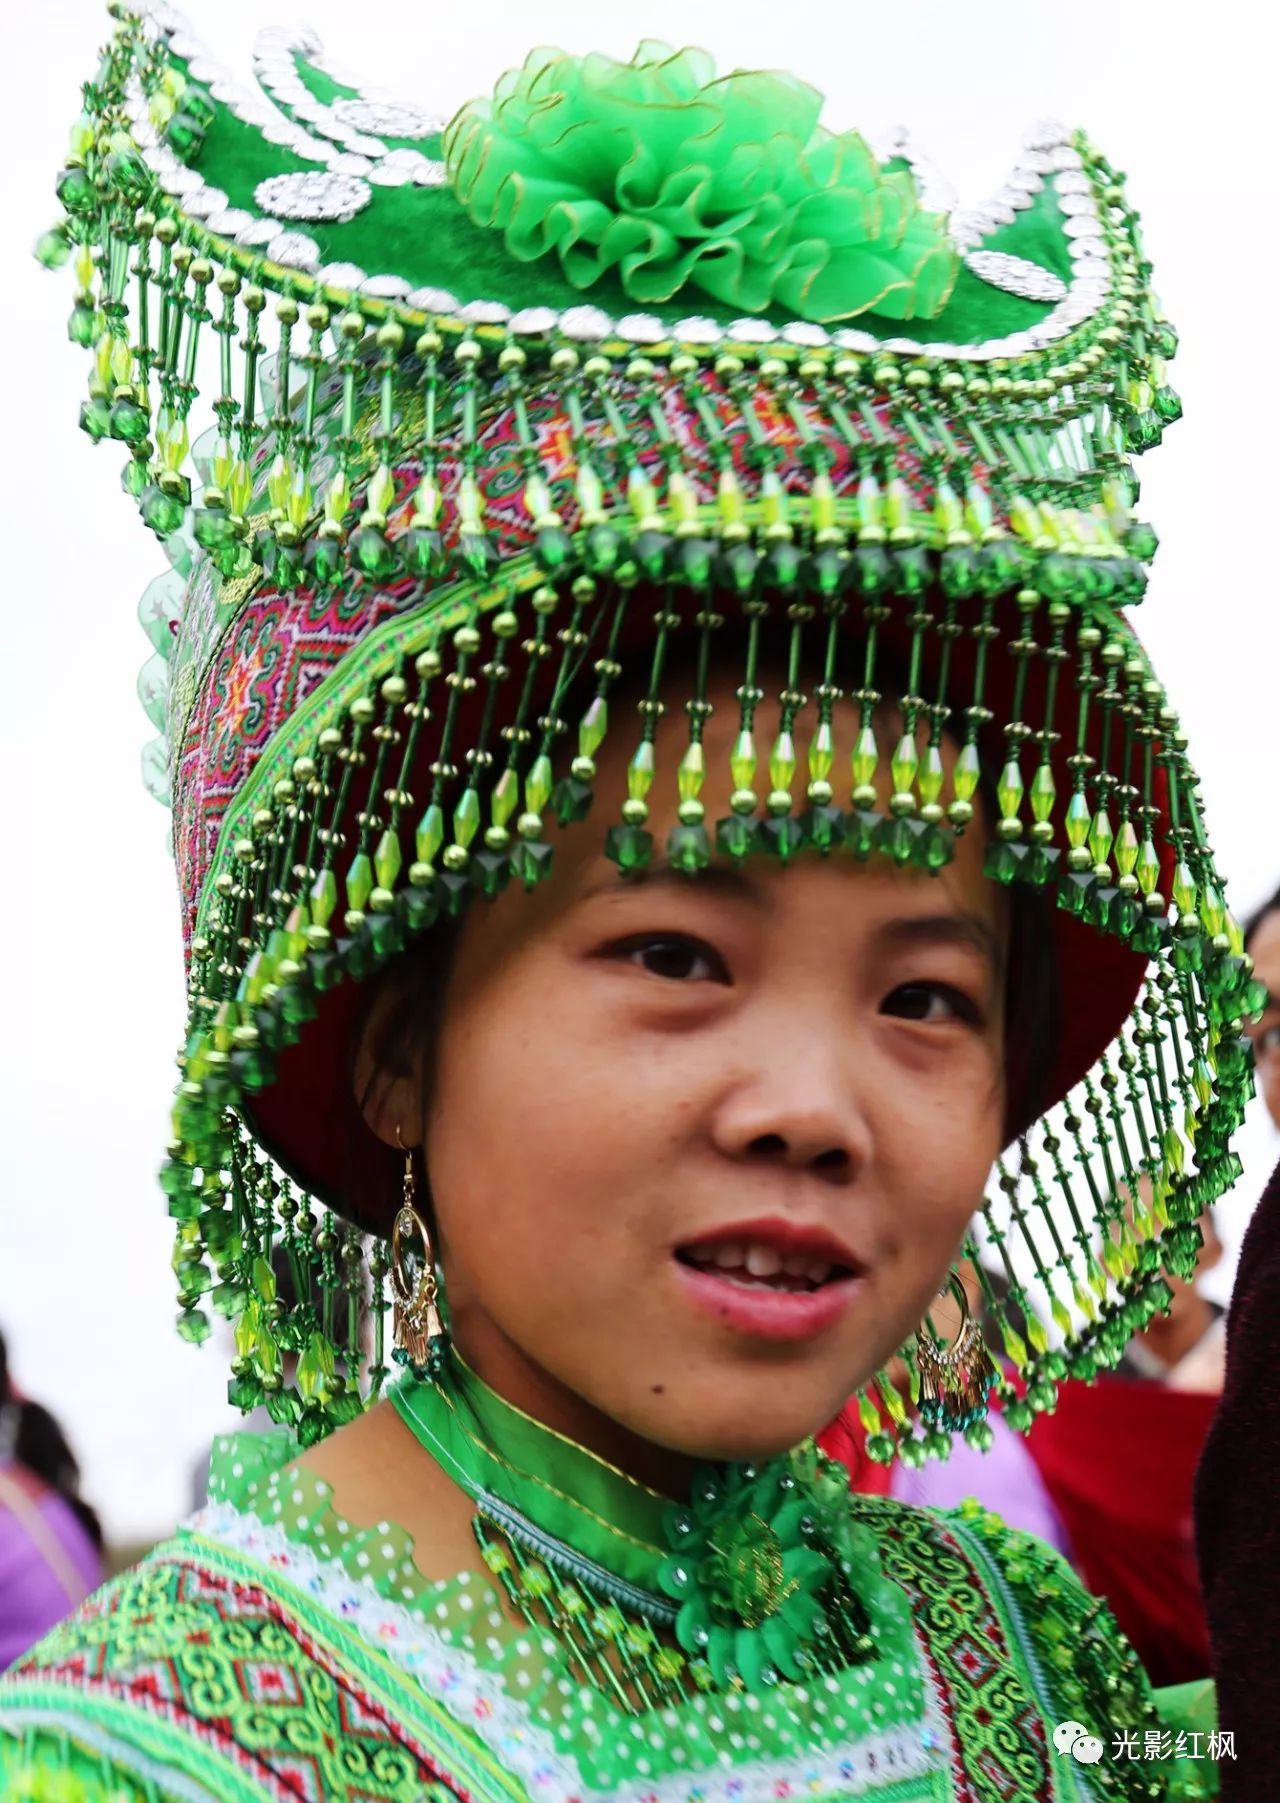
<point x="1182" y="97"/>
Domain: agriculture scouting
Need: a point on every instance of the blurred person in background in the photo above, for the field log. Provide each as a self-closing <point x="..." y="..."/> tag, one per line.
<point x="50" y="1540"/>
<point x="1238" y="1484"/>
<point x="1262" y="942"/>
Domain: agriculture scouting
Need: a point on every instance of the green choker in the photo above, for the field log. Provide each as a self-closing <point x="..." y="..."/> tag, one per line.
<point x="752" y="1582"/>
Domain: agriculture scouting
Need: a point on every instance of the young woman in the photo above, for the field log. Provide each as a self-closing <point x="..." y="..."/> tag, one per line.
<point x="645" y="862"/>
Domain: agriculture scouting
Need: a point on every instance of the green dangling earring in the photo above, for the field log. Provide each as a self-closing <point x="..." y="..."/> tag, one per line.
<point x="420" y="1339"/>
<point x="955" y="1380"/>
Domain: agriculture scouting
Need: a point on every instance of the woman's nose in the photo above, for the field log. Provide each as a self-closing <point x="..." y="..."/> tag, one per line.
<point x="799" y="1108"/>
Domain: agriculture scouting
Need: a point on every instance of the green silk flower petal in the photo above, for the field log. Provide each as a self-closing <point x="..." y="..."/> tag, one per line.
<point x="670" y="179"/>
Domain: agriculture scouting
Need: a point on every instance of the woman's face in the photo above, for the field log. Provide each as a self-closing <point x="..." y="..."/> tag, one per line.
<point x="702" y="1149"/>
<point x="1264" y="949"/>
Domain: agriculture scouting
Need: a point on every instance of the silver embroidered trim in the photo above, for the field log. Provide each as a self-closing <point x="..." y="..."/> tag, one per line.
<point x="387" y="119"/>
<point x="1015" y="275"/>
<point x="313" y="195"/>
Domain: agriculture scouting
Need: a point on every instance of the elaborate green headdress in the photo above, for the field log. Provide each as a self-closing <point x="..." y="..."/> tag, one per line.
<point x="506" y="408"/>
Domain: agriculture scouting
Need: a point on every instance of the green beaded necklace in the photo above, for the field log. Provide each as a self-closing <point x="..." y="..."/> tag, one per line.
<point x="749" y="1583"/>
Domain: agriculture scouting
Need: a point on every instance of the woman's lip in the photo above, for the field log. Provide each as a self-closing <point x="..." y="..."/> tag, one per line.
<point x="767" y="1314"/>
<point x="785" y="1236"/>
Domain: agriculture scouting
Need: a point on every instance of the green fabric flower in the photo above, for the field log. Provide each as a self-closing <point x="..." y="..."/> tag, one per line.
<point x="658" y="171"/>
<point x="753" y="1551"/>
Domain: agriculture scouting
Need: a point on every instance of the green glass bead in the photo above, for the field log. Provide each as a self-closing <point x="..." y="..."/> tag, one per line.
<point x="967" y="774"/>
<point x="688" y="848"/>
<point x="1184" y="888"/>
<point x="691" y="561"/>
<point x="129" y="175"/>
<point x="135" y="478"/>
<point x="872" y="569"/>
<point x="128" y="421"/>
<point x="781" y="835"/>
<point x="359" y="881"/>
<point x="537" y="784"/>
<point x="552" y="549"/>
<point x="198" y="105"/>
<point x="782" y="761"/>
<point x="736" y="837"/>
<point x="1044" y="792"/>
<point x="491" y="871"/>
<point x="95" y="418"/>
<point x="52" y="248"/>
<point x="601" y="549"/>
<point x="904" y="764"/>
<point x="1101" y="837"/>
<point x="323" y="559"/>
<point x="184" y="135"/>
<point x="862" y="832"/>
<point x="781" y="568"/>
<point x="76" y="190"/>
<point x="476" y="555"/>
<point x="430" y="834"/>
<point x="897" y="840"/>
<point x="913" y="569"/>
<point x="83" y="325"/>
<point x="823" y="827"/>
<point x="1168" y="404"/>
<point x="1009" y="790"/>
<point x="826" y="571"/>
<point x="466" y="816"/>
<point x="1140" y="541"/>
<point x="630" y="847"/>
<point x="935" y="847"/>
<point x="651" y="550"/>
<point x="388" y="859"/>
<point x="571" y="800"/>
<point x="373" y="552"/>
<point x="505" y="797"/>
<point x="213" y="528"/>
<point x="1143" y="429"/>
<point x="592" y="727"/>
<point x="640" y="771"/>
<point x="162" y="511"/>
<point x="423" y="554"/>
<point x="324" y="897"/>
<point x="737" y="569"/>
<point x="865" y="755"/>
<point x="959" y="571"/>
<point x="931" y="776"/>
<point x="691" y="771"/>
<point x="1079" y="820"/>
<point x="1003" y="862"/>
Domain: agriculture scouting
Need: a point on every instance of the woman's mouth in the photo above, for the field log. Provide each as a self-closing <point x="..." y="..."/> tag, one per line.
<point x="770" y="1280"/>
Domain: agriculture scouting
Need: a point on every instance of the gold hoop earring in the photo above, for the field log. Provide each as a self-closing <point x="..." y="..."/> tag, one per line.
<point x="417" y="1330"/>
<point x="955" y="1380"/>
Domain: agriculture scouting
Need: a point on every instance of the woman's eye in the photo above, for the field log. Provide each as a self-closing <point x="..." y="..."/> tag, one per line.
<point x="676" y="957"/>
<point x="1267" y="1044"/>
<point x="930" y="1002"/>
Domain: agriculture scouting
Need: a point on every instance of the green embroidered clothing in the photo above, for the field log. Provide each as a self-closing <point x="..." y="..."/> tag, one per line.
<point x="273" y="1650"/>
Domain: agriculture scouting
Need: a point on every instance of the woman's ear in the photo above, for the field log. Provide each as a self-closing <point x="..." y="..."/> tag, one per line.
<point x="387" y="1085"/>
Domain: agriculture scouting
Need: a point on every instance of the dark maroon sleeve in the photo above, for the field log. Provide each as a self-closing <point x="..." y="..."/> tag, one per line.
<point x="1237" y="1507"/>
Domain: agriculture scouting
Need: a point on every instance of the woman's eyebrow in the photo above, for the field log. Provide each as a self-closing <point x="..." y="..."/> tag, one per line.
<point x="960" y="927"/>
<point x="723" y="879"/>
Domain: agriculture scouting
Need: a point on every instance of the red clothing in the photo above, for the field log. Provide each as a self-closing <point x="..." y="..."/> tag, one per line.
<point x="1118" y="1458"/>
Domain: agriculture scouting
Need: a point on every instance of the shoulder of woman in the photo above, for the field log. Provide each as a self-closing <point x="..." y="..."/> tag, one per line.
<point x="1070" y="1635"/>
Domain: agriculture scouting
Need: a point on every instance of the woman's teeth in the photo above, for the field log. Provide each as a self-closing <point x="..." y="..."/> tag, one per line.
<point x="758" y="1265"/>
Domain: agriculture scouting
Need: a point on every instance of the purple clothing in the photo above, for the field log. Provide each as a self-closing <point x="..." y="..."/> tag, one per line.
<point x="48" y="1563"/>
<point x="1004" y="1480"/>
